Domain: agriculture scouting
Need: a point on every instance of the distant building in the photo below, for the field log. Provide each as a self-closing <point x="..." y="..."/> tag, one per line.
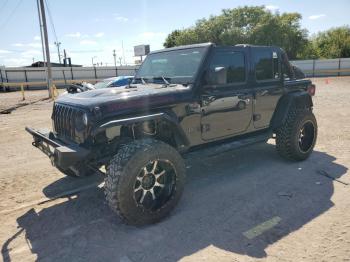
<point x="43" y="64"/>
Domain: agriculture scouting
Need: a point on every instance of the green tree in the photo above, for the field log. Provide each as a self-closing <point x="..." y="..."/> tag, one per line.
<point x="332" y="43"/>
<point x="309" y="51"/>
<point x="251" y="25"/>
<point x="171" y="39"/>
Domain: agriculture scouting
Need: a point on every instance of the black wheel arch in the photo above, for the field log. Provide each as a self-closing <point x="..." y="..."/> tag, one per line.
<point x="167" y="117"/>
<point x="300" y="99"/>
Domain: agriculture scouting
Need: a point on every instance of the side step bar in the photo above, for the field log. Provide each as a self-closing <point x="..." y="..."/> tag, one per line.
<point x="222" y="147"/>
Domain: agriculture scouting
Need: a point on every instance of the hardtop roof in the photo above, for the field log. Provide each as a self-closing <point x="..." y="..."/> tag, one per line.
<point x="210" y="44"/>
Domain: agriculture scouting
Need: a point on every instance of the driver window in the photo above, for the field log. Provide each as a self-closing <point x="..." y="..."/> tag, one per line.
<point x="227" y="67"/>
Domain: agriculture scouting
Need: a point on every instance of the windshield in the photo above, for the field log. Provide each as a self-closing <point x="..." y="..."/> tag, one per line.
<point x="102" y="84"/>
<point x="178" y="66"/>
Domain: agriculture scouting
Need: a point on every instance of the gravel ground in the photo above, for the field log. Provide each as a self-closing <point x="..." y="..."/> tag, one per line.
<point x="10" y="100"/>
<point x="13" y="99"/>
<point x="242" y="205"/>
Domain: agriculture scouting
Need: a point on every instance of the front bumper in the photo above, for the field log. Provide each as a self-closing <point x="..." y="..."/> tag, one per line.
<point x="61" y="155"/>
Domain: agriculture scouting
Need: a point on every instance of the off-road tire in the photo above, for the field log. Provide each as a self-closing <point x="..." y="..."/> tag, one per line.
<point x="287" y="136"/>
<point x="125" y="167"/>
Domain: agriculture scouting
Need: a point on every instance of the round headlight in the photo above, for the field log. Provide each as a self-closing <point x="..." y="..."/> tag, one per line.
<point x="85" y="119"/>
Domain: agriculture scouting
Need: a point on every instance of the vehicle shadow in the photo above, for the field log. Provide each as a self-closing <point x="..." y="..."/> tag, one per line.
<point x="226" y="197"/>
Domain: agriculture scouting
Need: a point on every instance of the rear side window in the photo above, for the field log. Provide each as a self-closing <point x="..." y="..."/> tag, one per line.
<point x="266" y="65"/>
<point x="233" y="63"/>
<point x="287" y="70"/>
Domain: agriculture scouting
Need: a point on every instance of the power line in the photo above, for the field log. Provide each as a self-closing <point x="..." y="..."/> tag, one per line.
<point x="57" y="43"/>
<point x="11" y="14"/>
<point x="51" y="21"/>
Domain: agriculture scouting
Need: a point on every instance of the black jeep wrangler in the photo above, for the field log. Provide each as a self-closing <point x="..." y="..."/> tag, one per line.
<point x="181" y="99"/>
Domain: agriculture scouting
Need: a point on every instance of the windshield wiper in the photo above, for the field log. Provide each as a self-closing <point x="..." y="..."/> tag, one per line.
<point x="166" y="82"/>
<point x="142" y="80"/>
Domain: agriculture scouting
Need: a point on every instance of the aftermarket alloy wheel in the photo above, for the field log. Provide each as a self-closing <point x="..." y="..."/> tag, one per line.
<point x="144" y="181"/>
<point x="296" y="138"/>
<point x="155" y="184"/>
<point x="307" y="136"/>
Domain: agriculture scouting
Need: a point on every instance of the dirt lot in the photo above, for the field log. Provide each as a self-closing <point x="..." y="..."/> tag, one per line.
<point x="243" y="205"/>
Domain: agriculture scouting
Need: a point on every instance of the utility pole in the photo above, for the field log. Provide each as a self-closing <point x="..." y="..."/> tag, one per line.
<point x="92" y="60"/>
<point x="47" y="50"/>
<point x="41" y="31"/>
<point x="58" y="50"/>
<point x="123" y="52"/>
<point x="115" y="59"/>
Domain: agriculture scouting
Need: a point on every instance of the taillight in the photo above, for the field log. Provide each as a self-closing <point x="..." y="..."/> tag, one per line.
<point x="311" y="89"/>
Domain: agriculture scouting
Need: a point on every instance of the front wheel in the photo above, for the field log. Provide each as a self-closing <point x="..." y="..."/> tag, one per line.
<point x="144" y="181"/>
<point x="296" y="139"/>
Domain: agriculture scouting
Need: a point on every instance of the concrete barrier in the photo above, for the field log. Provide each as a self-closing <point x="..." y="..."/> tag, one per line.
<point x="33" y="78"/>
<point x="324" y="67"/>
<point x="36" y="77"/>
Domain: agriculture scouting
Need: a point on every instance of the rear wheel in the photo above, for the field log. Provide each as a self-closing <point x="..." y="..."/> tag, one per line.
<point x="144" y="181"/>
<point x="296" y="139"/>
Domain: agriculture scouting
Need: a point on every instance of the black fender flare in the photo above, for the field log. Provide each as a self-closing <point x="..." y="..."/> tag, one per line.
<point x="168" y="117"/>
<point x="296" y="99"/>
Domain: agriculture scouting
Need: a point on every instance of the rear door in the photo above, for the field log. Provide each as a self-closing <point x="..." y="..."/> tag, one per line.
<point x="226" y="100"/>
<point x="268" y="84"/>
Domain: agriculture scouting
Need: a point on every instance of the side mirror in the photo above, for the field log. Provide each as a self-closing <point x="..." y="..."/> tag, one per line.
<point x="217" y="76"/>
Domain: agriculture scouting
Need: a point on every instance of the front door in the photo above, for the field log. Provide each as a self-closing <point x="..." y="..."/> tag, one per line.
<point x="226" y="100"/>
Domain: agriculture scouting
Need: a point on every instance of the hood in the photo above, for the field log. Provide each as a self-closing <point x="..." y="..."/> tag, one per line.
<point x="137" y="96"/>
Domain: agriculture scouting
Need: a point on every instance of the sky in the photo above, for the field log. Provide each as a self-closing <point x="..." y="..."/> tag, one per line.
<point x="91" y="30"/>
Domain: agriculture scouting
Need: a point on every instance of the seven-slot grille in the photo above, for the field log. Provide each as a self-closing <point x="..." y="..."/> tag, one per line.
<point x="64" y="120"/>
